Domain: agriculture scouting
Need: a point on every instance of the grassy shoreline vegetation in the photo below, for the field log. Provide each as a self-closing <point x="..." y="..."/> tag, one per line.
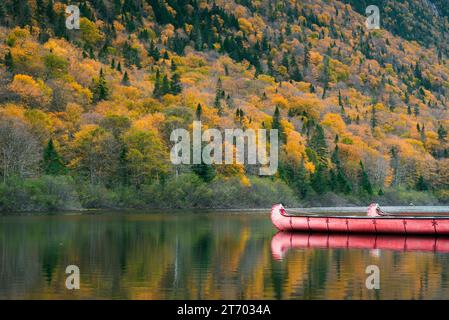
<point x="63" y="193"/>
<point x="86" y="115"/>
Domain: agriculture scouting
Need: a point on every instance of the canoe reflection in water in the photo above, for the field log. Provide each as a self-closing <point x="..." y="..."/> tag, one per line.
<point x="282" y="242"/>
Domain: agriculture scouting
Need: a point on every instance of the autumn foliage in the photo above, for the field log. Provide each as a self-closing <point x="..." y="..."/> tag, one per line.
<point x="360" y="112"/>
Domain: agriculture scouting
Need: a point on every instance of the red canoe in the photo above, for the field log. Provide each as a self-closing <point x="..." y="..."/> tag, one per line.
<point x="375" y="222"/>
<point x="284" y="241"/>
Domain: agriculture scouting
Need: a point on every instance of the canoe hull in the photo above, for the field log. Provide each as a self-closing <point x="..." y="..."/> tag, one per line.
<point x="362" y="224"/>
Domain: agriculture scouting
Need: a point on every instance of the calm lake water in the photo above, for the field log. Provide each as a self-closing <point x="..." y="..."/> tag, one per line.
<point x="208" y="256"/>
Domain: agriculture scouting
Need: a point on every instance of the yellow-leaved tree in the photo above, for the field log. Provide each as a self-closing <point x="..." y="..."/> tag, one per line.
<point x="147" y="156"/>
<point x="32" y="92"/>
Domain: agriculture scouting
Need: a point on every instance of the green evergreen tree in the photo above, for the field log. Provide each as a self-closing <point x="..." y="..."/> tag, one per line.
<point x="416" y="110"/>
<point x="318" y="144"/>
<point x="302" y="183"/>
<point x="125" y="79"/>
<point x="91" y="53"/>
<point x="340" y="182"/>
<point x="173" y="66"/>
<point x="340" y="100"/>
<point x="312" y="88"/>
<point x="100" y="89"/>
<point x="295" y="175"/>
<point x="343" y="184"/>
<point x="333" y="180"/>
<point x="319" y="181"/>
<point x="154" y="52"/>
<point x="219" y="94"/>
<point x="165" y="86"/>
<point x="335" y="157"/>
<point x="52" y="163"/>
<point x="324" y="91"/>
<point x="306" y="61"/>
<point x="423" y="134"/>
<point x="24" y="13"/>
<point x="230" y="102"/>
<point x="421" y="184"/>
<point x="365" y="184"/>
<point x="264" y="96"/>
<point x="2" y="13"/>
<point x="157" y="85"/>
<point x="373" y="117"/>
<point x="325" y="77"/>
<point x="340" y="103"/>
<point x="270" y="66"/>
<point x="296" y="74"/>
<point x="176" y="86"/>
<point x="407" y="98"/>
<point x="241" y="115"/>
<point x="442" y="133"/>
<point x="9" y="62"/>
<point x="205" y="171"/>
<point x="276" y="124"/>
<point x="285" y="61"/>
<point x="51" y="14"/>
<point x="198" y="39"/>
<point x="123" y="168"/>
<point x="198" y="112"/>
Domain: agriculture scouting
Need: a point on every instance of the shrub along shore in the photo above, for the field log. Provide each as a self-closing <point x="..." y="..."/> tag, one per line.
<point x="186" y="191"/>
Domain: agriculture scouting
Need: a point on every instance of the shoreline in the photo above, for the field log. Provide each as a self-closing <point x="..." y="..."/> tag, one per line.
<point x="317" y="210"/>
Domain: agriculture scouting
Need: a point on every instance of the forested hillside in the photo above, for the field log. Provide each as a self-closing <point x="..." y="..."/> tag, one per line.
<point x="86" y="115"/>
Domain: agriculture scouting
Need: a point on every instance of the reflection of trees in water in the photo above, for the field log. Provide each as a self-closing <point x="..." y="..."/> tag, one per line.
<point x="318" y="262"/>
<point x="194" y="256"/>
<point x="49" y="261"/>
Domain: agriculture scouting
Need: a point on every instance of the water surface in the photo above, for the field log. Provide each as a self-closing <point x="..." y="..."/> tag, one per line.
<point x="188" y="255"/>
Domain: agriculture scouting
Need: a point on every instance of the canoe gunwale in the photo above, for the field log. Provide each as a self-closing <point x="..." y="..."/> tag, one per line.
<point x="364" y="217"/>
<point x="386" y="215"/>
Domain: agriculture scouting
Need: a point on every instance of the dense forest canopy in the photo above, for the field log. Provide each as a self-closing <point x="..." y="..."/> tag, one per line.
<point x="86" y="114"/>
